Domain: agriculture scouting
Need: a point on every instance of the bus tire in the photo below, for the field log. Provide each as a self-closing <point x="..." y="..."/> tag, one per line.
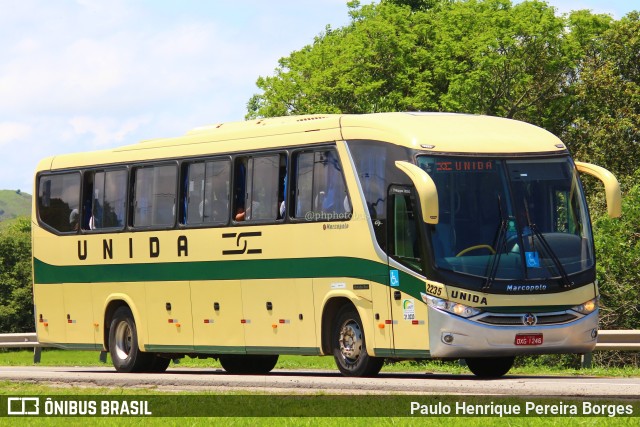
<point x="249" y="364"/>
<point x="349" y="346"/>
<point x="158" y="364"/>
<point x="123" y="344"/>
<point x="490" y="367"/>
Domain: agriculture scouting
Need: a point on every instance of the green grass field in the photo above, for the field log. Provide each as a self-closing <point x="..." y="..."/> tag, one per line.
<point x="13" y="204"/>
<point x="323" y="404"/>
<point x="51" y="357"/>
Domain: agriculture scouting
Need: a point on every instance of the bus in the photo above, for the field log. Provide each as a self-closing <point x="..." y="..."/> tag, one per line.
<point x="372" y="237"/>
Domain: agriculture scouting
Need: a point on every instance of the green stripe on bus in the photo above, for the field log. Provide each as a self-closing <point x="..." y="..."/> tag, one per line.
<point x="209" y="270"/>
<point x="403" y="353"/>
<point x="303" y="351"/>
<point x="410" y="353"/>
<point x="75" y="346"/>
<point x="293" y="268"/>
<point x="238" y="350"/>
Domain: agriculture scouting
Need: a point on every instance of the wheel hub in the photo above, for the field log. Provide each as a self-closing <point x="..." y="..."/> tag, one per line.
<point x="123" y="340"/>
<point x="350" y="341"/>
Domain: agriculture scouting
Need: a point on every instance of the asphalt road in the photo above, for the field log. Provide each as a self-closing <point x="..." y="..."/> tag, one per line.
<point x="328" y="382"/>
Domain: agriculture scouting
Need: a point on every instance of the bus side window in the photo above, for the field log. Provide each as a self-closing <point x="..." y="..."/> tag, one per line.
<point x="320" y="191"/>
<point x="259" y="187"/>
<point x="59" y="201"/>
<point x="405" y="244"/>
<point x="207" y="192"/>
<point x="154" y="196"/>
<point x="104" y="199"/>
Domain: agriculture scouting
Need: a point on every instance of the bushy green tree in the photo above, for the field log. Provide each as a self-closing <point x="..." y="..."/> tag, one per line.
<point x="475" y="56"/>
<point x="16" y="296"/>
<point x="606" y="127"/>
<point x="618" y="253"/>
<point x="377" y="63"/>
<point x="618" y="248"/>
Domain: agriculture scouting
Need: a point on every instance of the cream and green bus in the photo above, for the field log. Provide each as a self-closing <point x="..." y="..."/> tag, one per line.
<point x="364" y="237"/>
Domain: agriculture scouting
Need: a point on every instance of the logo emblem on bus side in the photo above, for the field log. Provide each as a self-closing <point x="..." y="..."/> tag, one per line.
<point x="529" y="319"/>
<point x="241" y="237"/>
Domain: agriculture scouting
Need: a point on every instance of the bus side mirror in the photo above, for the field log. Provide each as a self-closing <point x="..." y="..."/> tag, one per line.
<point x="611" y="186"/>
<point x="426" y="189"/>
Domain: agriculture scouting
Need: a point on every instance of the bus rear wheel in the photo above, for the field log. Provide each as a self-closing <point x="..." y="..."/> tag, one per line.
<point x="123" y="344"/>
<point x="158" y="364"/>
<point x="490" y="367"/>
<point x="349" y="346"/>
<point x="248" y="364"/>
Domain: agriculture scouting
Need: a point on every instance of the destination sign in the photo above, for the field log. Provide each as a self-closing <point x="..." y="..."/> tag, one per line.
<point x="464" y="166"/>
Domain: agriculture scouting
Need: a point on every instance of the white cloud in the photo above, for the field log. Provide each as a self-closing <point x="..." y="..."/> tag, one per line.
<point x="10" y="132"/>
<point x="106" y="131"/>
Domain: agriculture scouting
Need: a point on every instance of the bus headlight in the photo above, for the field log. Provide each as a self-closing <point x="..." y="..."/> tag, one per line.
<point x="449" y="306"/>
<point x="587" y="307"/>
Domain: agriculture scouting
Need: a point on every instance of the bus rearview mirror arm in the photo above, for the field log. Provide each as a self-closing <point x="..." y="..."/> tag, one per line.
<point x="611" y="186"/>
<point x="426" y="188"/>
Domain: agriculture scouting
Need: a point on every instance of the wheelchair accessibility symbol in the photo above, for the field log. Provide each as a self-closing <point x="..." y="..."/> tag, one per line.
<point x="533" y="259"/>
<point x="394" y="278"/>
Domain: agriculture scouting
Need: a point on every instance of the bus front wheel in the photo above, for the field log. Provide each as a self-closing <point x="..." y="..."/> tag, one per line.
<point x="349" y="346"/>
<point x="490" y="367"/>
<point x="123" y="344"/>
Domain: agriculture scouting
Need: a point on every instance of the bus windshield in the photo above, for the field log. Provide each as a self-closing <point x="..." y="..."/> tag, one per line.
<point x="510" y="219"/>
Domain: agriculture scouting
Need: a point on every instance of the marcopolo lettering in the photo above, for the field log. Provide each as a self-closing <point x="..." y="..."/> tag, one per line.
<point x="526" y="288"/>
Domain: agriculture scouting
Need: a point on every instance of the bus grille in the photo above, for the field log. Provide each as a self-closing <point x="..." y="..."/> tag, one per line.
<point x="516" y="319"/>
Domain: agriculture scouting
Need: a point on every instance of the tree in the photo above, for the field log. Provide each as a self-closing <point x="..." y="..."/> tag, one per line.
<point x="504" y="60"/>
<point x="475" y="56"/>
<point x="417" y="4"/>
<point x="377" y="63"/>
<point x="606" y="127"/>
<point x="618" y="248"/>
<point x="16" y="297"/>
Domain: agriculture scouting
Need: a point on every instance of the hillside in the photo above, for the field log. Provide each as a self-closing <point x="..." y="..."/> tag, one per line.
<point x="14" y="204"/>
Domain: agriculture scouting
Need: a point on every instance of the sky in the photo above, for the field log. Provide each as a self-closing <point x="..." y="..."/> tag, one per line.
<point x="82" y="75"/>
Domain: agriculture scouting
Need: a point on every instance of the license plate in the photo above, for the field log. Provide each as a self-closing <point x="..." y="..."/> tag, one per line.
<point x="529" y="339"/>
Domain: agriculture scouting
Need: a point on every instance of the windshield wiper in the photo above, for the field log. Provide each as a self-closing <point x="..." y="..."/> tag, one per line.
<point x="499" y="244"/>
<point x="566" y="283"/>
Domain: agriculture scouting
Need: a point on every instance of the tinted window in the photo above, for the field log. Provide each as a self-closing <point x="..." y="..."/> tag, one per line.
<point x="376" y="169"/>
<point x="104" y="202"/>
<point x="59" y="201"/>
<point x="320" y="193"/>
<point x="405" y="245"/>
<point x="154" y="198"/>
<point x="259" y="188"/>
<point x="207" y="192"/>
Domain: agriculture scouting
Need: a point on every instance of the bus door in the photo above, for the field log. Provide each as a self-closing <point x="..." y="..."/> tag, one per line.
<point x="406" y="255"/>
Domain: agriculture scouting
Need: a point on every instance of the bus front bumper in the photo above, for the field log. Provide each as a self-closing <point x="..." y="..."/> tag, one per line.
<point x="454" y="337"/>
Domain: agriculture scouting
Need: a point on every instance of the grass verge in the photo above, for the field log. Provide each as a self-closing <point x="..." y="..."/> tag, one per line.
<point x="53" y="357"/>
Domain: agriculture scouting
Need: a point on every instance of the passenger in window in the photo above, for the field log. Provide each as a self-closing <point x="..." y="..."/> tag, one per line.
<point x="283" y="195"/>
<point x="240" y="214"/>
<point x="87" y="202"/>
<point x="239" y="190"/>
<point x="74" y="219"/>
